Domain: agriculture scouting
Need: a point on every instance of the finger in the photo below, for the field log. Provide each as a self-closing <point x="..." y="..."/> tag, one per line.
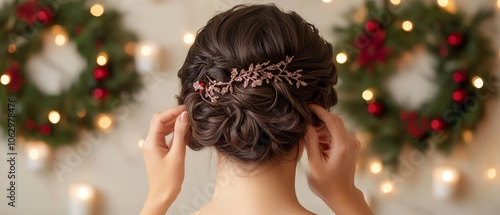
<point x="179" y="140"/>
<point x="313" y="148"/>
<point x="336" y="142"/>
<point x="330" y="120"/>
<point x="160" y="124"/>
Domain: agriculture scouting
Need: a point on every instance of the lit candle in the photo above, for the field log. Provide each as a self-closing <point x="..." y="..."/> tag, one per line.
<point x="82" y="198"/>
<point x="38" y="155"/>
<point x="445" y="182"/>
<point x="146" y="57"/>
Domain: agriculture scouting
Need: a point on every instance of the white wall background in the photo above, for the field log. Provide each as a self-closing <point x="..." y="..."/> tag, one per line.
<point x="115" y="165"/>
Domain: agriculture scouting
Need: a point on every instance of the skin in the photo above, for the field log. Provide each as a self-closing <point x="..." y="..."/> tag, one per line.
<point x="332" y="154"/>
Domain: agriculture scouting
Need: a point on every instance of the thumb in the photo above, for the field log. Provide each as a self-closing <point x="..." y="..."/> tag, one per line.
<point x="179" y="140"/>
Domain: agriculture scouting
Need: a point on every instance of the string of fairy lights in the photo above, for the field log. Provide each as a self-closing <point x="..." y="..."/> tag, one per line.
<point x="446" y="177"/>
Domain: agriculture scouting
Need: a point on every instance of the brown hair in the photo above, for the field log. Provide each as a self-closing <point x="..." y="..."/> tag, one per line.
<point x="265" y="123"/>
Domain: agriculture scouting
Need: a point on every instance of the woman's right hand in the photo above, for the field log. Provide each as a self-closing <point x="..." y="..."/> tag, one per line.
<point x="332" y="154"/>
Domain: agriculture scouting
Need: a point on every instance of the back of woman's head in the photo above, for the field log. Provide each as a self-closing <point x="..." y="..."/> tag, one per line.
<point x="255" y="125"/>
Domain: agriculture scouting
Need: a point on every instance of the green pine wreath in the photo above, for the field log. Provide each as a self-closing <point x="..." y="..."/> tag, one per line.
<point x="368" y="52"/>
<point x="100" y="87"/>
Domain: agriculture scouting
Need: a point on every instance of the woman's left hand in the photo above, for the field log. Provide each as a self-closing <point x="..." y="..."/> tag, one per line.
<point x="165" y="162"/>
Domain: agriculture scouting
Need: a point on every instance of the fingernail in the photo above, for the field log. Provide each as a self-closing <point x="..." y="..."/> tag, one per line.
<point x="184" y="117"/>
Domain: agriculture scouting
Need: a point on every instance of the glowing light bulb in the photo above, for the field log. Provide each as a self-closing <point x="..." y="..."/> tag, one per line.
<point x="376" y="167"/>
<point x="60" y="40"/>
<point x="447" y="176"/>
<point x="468" y="136"/>
<point x="387" y="187"/>
<point x="54" y="117"/>
<point x="396" y="2"/>
<point x="146" y="50"/>
<point x="442" y="3"/>
<point x="141" y="143"/>
<point x="12" y="48"/>
<point x="407" y="26"/>
<point x="83" y="193"/>
<point x="341" y="58"/>
<point x="102" y="59"/>
<point x="33" y="154"/>
<point x="498" y="3"/>
<point x="327" y="1"/>
<point x="477" y="82"/>
<point x="97" y="10"/>
<point x="368" y="95"/>
<point x="104" y="121"/>
<point x="5" y="79"/>
<point x="492" y="173"/>
<point x="189" y="38"/>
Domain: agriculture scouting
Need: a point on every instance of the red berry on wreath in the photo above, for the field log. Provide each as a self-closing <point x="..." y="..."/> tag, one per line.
<point x="101" y="73"/>
<point x="100" y="93"/>
<point x="375" y="108"/>
<point x="16" y="79"/>
<point x="44" y="129"/>
<point x="456" y="39"/>
<point x="30" y="124"/>
<point x="44" y="16"/>
<point x="372" y="26"/>
<point x="27" y="11"/>
<point x="459" y="77"/>
<point x="459" y="96"/>
<point x="438" y="124"/>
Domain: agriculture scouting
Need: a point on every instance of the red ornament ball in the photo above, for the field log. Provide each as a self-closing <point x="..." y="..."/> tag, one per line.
<point x="100" y="93"/>
<point x="459" y="96"/>
<point x="44" y="129"/>
<point x="372" y="26"/>
<point x="438" y="124"/>
<point x="375" y="108"/>
<point x="460" y="77"/>
<point x="101" y="73"/>
<point x="456" y="39"/>
<point x="30" y="124"/>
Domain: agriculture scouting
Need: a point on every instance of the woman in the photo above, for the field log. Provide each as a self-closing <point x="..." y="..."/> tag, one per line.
<point x="256" y="84"/>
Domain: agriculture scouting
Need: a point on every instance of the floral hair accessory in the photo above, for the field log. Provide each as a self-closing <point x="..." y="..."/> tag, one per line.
<point x="254" y="76"/>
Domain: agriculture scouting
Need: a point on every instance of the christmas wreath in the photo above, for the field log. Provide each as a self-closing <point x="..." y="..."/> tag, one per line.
<point x="106" y="82"/>
<point x="369" y="51"/>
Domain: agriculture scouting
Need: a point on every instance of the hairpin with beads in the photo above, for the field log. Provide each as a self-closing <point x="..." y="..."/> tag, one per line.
<point x="254" y="76"/>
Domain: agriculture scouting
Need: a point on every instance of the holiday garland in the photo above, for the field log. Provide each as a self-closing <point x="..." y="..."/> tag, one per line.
<point x="369" y="51"/>
<point x="103" y="85"/>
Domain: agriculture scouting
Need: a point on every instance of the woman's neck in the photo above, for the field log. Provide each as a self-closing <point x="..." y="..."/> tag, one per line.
<point x="264" y="191"/>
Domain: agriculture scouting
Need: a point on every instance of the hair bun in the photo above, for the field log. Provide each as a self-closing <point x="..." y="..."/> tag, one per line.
<point x="255" y="125"/>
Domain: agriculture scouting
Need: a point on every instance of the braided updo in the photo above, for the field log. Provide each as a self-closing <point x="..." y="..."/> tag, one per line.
<point x="265" y="123"/>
